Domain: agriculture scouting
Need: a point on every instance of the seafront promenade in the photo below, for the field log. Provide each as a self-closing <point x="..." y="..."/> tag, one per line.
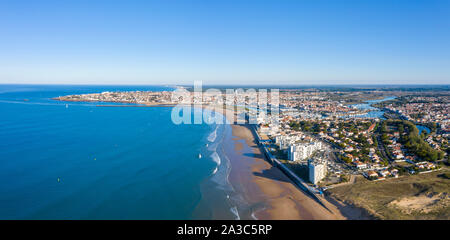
<point x="275" y="162"/>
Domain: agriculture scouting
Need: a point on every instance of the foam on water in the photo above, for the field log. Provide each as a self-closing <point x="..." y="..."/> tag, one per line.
<point x="235" y="212"/>
<point x="215" y="157"/>
<point x="212" y="137"/>
<point x="131" y="156"/>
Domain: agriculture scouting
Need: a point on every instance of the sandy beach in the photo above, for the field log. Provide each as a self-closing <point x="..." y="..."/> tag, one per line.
<point x="269" y="193"/>
<point x="266" y="187"/>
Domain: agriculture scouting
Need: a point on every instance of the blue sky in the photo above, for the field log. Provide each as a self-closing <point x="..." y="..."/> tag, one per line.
<point x="225" y="42"/>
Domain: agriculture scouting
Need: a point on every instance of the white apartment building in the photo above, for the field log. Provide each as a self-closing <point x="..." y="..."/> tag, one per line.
<point x="284" y="141"/>
<point x="317" y="171"/>
<point x="301" y="151"/>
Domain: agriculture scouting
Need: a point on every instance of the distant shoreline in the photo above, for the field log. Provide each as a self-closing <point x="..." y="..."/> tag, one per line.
<point x="136" y="105"/>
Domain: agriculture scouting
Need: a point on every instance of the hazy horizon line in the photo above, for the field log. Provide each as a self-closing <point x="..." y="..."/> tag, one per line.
<point x="189" y="85"/>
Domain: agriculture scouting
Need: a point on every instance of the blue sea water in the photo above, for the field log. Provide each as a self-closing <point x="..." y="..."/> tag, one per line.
<point x="80" y="161"/>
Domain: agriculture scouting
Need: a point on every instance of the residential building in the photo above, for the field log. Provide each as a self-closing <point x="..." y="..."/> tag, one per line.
<point x="317" y="170"/>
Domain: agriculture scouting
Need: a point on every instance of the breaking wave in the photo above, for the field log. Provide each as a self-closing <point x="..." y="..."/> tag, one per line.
<point x="215" y="157"/>
<point x="212" y="137"/>
<point x="235" y="212"/>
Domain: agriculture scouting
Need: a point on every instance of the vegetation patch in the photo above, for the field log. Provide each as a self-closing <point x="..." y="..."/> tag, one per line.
<point x="424" y="196"/>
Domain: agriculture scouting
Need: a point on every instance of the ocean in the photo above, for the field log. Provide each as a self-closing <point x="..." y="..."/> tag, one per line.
<point x="69" y="160"/>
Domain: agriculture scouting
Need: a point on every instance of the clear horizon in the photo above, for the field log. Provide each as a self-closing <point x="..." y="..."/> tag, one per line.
<point x="225" y="43"/>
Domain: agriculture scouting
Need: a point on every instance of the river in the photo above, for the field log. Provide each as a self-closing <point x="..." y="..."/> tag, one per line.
<point x="374" y="112"/>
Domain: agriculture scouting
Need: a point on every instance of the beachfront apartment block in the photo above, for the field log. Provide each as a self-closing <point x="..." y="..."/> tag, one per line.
<point x="317" y="170"/>
<point x="301" y="151"/>
<point x="285" y="141"/>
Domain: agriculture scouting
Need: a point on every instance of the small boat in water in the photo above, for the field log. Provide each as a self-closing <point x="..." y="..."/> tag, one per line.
<point x="199" y="155"/>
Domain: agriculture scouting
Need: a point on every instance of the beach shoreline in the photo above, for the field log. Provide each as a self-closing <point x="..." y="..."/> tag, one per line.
<point x="268" y="188"/>
<point x="267" y="191"/>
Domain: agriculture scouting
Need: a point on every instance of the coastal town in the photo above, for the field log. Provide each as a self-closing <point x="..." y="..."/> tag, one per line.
<point x="215" y="119"/>
<point x="332" y="138"/>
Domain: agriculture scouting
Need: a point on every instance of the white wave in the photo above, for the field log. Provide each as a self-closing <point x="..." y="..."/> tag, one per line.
<point x="235" y="212"/>
<point x="215" y="158"/>
<point x="212" y="137"/>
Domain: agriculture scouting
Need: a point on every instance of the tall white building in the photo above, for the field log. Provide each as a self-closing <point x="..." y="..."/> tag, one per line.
<point x="317" y="171"/>
<point x="301" y="151"/>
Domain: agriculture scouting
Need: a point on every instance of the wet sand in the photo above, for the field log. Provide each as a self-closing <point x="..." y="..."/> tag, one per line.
<point x="269" y="191"/>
